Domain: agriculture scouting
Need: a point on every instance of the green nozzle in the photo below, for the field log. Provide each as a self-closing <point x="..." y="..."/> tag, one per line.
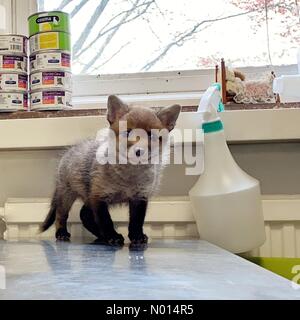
<point x="214" y="126"/>
<point x="217" y="85"/>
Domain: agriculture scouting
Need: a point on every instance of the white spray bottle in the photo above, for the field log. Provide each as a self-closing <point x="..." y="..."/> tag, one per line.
<point x="226" y="201"/>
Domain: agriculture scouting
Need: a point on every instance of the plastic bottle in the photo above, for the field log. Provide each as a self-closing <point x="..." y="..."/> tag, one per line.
<point x="225" y="200"/>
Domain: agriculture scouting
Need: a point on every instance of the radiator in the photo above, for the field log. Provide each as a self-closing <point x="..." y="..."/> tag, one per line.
<point x="167" y="217"/>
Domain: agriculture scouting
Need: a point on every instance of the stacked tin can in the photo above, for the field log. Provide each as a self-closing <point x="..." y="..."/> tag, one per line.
<point x="13" y="73"/>
<point x="50" y="79"/>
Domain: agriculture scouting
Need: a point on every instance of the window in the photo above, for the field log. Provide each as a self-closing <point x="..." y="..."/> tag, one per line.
<point x="130" y="36"/>
<point x="165" y="46"/>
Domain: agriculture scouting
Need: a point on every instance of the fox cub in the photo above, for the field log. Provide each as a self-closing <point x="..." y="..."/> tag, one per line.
<point x="101" y="185"/>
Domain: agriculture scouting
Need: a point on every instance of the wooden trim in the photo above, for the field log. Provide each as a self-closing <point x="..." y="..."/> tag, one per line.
<point x="101" y="112"/>
<point x="65" y="113"/>
<point x="223" y="82"/>
<point x="216" y="73"/>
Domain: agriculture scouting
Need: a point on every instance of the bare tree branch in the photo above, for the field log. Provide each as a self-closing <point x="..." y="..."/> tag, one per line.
<point x="149" y="22"/>
<point x="268" y="32"/>
<point x="108" y="38"/>
<point x="78" y="8"/>
<point x="103" y="32"/>
<point x="159" y="10"/>
<point x="179" y="40"/>
<point x="114" y="31"/>
<point x="297" y="9"/>
<point x="110" y="58"/>
<point x="63" y="4"/>
<point x="89" y="26"/>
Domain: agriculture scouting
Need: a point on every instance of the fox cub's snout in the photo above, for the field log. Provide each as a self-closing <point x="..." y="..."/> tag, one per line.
<point x="99" y="186"/>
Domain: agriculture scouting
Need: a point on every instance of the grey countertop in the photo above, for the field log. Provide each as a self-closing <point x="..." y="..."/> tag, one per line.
<point x="167" y="269"/>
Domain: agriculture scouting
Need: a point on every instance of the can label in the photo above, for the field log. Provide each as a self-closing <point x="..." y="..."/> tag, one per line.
<point x="54" y="79"/>
<point x="50" y="100"/>
<point x="13" y="63"/>
<point x="13" y="44"/>
<point x="49" y="21"/>
<point x="12" y="101"/>
<point x="50" y="40"/>
<point x="50" y="61"/>
<point x="13" y="81"/>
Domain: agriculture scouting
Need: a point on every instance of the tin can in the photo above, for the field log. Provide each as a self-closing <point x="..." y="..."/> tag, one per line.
<point x="51" y="79"/>
<point x="50" y="60"/>
<point x="50" y="41"/>
<point x="13" y="101"/>
<point x="13" y="43"/>
<point x="13" y="81"/>
<point x="50" y="99"/>
<point x="13" y="62"/>
<point x="49" y="21"/>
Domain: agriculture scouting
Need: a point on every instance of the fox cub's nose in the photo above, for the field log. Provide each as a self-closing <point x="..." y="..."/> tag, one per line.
<point x="139" y="152"/>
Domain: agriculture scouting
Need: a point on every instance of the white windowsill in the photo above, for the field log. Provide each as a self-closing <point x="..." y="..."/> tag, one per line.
<point x="241" y="126"/>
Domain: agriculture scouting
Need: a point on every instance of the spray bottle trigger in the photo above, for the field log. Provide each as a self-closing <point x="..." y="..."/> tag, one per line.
<point x="221" y="105"/>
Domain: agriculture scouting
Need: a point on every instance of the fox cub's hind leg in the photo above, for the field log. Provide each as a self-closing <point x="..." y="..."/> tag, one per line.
<point x="58" y="213"/>
<point x="137" y="213"/>
<point x="88" y="221"/>
<point x="62" y="214"/>
<point x="99" y="223"/>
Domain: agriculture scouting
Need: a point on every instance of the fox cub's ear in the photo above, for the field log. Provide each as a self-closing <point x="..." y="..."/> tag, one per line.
<point x="169" y="115"/>
<point x="116" y="108"/>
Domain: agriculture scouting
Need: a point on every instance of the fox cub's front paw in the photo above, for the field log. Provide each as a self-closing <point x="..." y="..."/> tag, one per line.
<point x="138" y="239"/>
<point x="62" y="235"/>
<point x="115" y="239"/>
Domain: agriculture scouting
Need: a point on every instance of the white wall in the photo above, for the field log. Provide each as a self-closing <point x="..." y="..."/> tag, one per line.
<point x="31" y="173"/>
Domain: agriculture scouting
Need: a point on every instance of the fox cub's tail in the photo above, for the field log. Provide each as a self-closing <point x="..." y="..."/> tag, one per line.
<point x="50" y="217"/>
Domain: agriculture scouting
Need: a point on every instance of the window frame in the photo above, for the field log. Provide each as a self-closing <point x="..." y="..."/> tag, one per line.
<point x="20" y="11"/>
<point x="8" y="8"/>
<point x="157" y="88"/>
<point x="89" y="90"/>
